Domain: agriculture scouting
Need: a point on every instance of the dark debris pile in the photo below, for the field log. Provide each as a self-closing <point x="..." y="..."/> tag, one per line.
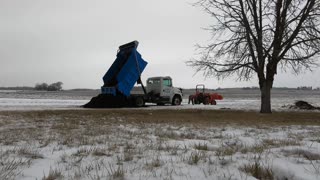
<point x="108" y="101"/>
<point x="302" y="105"/>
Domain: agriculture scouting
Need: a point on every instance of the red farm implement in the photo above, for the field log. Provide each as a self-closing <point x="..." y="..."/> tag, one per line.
<point x="202" y="97"/>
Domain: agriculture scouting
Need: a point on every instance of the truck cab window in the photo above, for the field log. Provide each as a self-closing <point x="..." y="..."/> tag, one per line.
<point x="167" y="82"/>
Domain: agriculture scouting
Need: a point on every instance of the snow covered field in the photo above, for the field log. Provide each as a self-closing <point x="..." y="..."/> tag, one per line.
<point x="165" y="142"/>
<point x="233" y="99"/>
<point x="108" y="144"/>
<point x="41" y="100"/>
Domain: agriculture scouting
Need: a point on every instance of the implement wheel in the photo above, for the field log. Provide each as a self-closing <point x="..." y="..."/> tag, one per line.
<point x="206" y="100"/>
<point x="214" y="102"/>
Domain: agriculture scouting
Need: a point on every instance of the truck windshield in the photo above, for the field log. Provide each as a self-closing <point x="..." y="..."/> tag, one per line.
<point x="167" y="82"/>
<point x="154" y="81"/>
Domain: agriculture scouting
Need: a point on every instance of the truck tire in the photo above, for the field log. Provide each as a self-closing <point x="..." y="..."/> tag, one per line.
<point x="176" y="101"/>
<point x="139" y="101"/>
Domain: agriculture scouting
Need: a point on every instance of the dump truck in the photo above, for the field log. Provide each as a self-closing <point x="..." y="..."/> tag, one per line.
<point x="121" y="77"/>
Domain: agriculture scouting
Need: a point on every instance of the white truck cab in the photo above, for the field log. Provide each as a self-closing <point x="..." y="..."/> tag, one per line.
<point x="161" y="91"/>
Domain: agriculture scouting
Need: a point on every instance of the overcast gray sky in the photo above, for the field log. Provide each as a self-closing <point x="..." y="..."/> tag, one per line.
<point x="75" y="41"/>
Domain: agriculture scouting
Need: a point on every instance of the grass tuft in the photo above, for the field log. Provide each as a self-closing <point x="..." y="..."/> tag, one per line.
<point x="195" y="157"/>
<point x="29" y="153"/>
<point x="199" y="146"/>
<point x="53" y="175"/>
<point x="10" y="168"/>
<point x="116" y="173"/>
<point x="99" y="152"/>
<point x="303" y="153"/>
<point x="258" y="171"/>
<point x="275" y="143"/>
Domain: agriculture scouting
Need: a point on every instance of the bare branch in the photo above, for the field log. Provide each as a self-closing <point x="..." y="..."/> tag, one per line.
<point x="254" y="36"/>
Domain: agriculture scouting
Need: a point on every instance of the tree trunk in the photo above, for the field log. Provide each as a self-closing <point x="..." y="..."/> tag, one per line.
<point x="266" y="97"/>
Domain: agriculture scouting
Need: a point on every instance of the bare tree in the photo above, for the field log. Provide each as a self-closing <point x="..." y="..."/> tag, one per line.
<point x="57" y="86"/>
<point x="41" y="87"/>
<point x="257" y="37"/>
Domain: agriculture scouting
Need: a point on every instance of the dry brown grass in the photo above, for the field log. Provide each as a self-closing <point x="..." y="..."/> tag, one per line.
<point x="96" y="126"/>
<point x="132" y="136"/>
<point x="258" y="171"/>
<point x="54" y="174"/>
<point x="302" y="153"/>
<point x="71" y="119"/>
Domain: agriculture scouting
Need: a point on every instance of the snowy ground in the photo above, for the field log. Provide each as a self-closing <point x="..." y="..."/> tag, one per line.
<point x="49" y="143"/>
<point x="143" y="145"/>
<point x="233" y="99"/>
<point x="9" y="104"/>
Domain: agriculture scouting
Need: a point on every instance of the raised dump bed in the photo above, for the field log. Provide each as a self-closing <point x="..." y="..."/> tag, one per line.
<point x="120" y="79"/>
<point x="125" y="70"/>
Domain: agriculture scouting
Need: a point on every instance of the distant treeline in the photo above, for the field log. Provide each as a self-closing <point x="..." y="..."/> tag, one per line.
<point x="17" y="88"/>
<point x="304" y="88"/>
<point x="57" y="86"/>
<point x="255" y="87"/>
<point x="45" y="87"/>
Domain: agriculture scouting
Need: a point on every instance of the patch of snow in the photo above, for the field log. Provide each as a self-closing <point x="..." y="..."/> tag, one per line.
<point x="38" y="104"/>
<point x="160" y="151"/>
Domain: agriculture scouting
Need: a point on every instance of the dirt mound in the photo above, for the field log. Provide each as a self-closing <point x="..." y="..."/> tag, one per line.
<point x="303" y="105"/>
<point x="108" y="101"/>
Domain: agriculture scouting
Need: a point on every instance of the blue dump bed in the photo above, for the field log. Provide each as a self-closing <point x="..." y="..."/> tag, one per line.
<point x="125" y="71"/>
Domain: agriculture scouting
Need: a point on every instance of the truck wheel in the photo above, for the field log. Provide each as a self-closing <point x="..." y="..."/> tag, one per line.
<point x="176" y="101"/>
<point x="139" y="101"/>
